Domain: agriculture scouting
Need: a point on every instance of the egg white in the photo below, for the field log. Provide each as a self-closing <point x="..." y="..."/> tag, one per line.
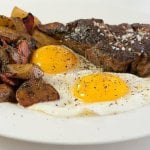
<point x="69" y="106"/>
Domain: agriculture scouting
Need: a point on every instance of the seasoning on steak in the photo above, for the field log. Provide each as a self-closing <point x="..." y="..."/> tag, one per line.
<point x="79" y="35"/>
<point x="34" y="91"/>
<point x="119" y="48"/>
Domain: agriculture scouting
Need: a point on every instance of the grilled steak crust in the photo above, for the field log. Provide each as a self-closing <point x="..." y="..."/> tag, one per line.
<point x="80" y="34"/>
<point x="119" y="48"/>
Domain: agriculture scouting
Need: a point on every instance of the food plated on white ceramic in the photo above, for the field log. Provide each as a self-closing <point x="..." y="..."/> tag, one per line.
<point x="88" y="71"/>
<point x="82" y="68"/>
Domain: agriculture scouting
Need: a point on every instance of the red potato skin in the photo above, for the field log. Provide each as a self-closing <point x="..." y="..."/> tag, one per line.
<point x="29" y="22"/>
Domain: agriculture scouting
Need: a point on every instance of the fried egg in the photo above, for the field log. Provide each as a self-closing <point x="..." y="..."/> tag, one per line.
<point x="91" y="92"/>
<point x="56" y="59"/>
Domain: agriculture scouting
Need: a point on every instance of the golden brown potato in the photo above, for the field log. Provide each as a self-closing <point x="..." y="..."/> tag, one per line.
<point x="43" y="39"/>
<point x="12" y="34"/>
<point x="9" y="33"/>
<point x="19" y="25"/>
<point x="24" y="71"/>
<point x="34" y="91"/>
<point x="18" y="12"/>
<point x="5" y="21"/>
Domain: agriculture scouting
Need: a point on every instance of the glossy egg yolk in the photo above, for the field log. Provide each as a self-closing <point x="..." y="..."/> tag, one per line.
<point x="54" y="59"/>
<point x="99" y="87"/>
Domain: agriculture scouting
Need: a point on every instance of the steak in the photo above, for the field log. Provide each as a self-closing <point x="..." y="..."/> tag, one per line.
<point x="120" y="48"/>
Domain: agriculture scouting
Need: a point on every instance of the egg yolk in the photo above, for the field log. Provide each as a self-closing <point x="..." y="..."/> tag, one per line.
<point x="54" y="59"/>
<point x="99" y="87"/>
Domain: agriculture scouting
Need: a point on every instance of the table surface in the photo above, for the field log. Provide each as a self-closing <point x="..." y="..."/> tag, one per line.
<point x="10" y="144"/>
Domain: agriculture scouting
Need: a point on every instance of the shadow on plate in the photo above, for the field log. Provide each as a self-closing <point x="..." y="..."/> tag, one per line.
<point x="11" y="144"/>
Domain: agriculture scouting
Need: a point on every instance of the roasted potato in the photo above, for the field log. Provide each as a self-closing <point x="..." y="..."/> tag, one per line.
<point x="19" y="25"/>
<point x="34" y="91"/>
<point x="18" y="12"/>
<point x="5" y="21"/>
<point x="24" y="71"/>
<point x="12" y="34"/>
<point x="9" y="33"/>
<point x="43" y="39"/>
<point x="4" y="58"/>
<point x="6" y="93"/>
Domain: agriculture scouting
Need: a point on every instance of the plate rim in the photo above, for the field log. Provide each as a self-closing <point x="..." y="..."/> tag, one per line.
<point x="75" y="143"/>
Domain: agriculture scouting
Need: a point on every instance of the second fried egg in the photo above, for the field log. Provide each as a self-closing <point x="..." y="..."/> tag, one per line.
<point x="92" y="92"/>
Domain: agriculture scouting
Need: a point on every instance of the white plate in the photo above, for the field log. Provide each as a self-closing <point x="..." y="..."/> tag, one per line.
<point x="24" y="124"/>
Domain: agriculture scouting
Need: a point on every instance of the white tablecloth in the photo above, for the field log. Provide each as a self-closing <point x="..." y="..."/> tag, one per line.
<point x="9" y="144"/>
